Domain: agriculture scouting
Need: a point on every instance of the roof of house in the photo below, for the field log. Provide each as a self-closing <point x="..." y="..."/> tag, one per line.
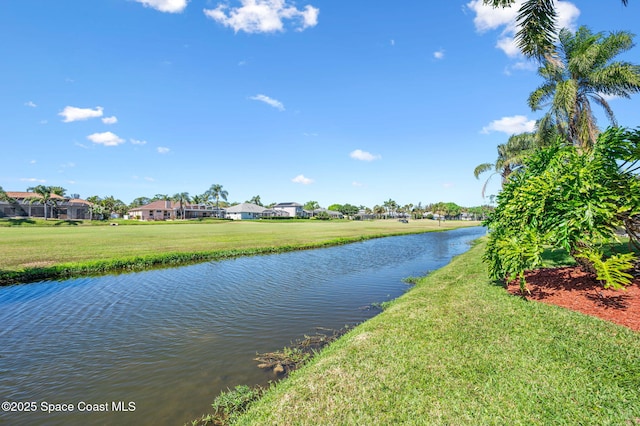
<point x="246" y="208"/>
<point x="18" y="195"/>
<point x="289" y="204"/>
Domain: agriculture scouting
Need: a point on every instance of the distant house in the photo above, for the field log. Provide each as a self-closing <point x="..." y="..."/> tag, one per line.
<point x="168" y="210"/>
<point x="245" y="211"/>
<point x="293" y="209"/>
<point x="27" y="204"/>
<point x="270" y="213"/>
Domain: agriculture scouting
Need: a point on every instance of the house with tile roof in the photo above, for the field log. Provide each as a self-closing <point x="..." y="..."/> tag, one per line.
<point x="169" y="210"/>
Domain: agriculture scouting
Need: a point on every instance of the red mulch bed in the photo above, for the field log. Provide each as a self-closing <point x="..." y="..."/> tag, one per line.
<point x="574" y="289"/>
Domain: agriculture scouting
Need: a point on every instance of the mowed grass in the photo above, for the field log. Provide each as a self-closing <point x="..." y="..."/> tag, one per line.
<point x="457" y="349"/>
<point x="34" y="248"/>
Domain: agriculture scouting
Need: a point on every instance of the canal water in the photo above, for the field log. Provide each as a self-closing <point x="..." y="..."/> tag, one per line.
<point x="157" y="347"/>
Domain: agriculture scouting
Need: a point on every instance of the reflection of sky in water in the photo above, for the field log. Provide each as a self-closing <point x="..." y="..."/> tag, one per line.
<point x="172" y="339"/>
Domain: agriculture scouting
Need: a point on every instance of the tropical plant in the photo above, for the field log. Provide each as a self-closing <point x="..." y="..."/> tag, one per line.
<point x="583" y="71"/>
<point x="182" y="198"/>
<point x="216" y="192"/>
<point x="255" y="200"/>
<point x="140" y="201"/>
<point x="571" y="199"/>
<point x="311" y="205"/>
<point x="537" y="25"/>
<point x="46" y="195"/>
<point x="4" y="196"/>
<point x="510" y="158"/>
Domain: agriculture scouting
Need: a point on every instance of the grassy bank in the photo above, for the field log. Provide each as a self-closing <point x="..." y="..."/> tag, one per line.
<point x="457" y="349"/>
<point x="31" y="253"/>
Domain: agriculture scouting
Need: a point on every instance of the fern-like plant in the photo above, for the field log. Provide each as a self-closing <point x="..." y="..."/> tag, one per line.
<point x="612" y="271"/>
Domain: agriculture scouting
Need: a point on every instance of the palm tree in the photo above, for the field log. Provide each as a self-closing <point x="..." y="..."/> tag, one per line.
<point x="217" y="192"/>
<point x="584" y="71"/>
<point x="255" y="200"/>
<point x="379" y="210"/>
<point x="537" y="23"/>
<point x="45" y="195"/>
<point x="510" y="158"/>
<point x="4" y="196"/>
<point x="181" y="198"/>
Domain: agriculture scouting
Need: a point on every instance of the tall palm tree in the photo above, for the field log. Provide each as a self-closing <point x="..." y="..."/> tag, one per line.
<point x="510" y="158"/>
<point x="537" y="23"/>
<point x="216" y="191"/>
<point x="181" y="198"/>
<point x="45" y="195"/>
<point x="584" y="71"/>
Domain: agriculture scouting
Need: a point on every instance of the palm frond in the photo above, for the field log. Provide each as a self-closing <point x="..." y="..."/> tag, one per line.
<point x="537" y="21"/>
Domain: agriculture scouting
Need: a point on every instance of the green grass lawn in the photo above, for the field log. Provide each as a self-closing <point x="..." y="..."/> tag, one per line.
<point x="33" y="252"/>
<point x="457" y="349"/>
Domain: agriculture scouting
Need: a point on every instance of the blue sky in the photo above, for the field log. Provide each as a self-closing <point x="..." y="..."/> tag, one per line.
<point x="338" y="102"/>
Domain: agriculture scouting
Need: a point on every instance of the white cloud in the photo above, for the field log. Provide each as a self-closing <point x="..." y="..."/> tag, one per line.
<point x="106" y="139"/>
<point x="361" y="155"/>
<point x="302" y="179"/>
<point x="110" y="120"/>
<point x="263" y="16"/>
<point x="438" y="54"/>
<point x="32" y="162"/>
<point x="149" y="179"/>
<point x="169" y="6"/>
<point x="357" y="184"/>
<point x="269" y="101"/>
<point x="488" y="18"/>
<point x="448" y="185"/>
<point x="137" y="142"/>
<point x="33" y="180"/>
<point x="392" y="42"/>
<point x="77" y="114"/>
<point x="163" y="150"/>
<point x="30" y="104"/>
<point x="510" y="125"/>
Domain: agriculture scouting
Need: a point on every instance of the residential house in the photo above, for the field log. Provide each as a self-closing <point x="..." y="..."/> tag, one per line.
<point x="168" y="210"/>
<point x="293" y="209"/>
<point x="245" y="211"/>
<point x="27" y="204"/>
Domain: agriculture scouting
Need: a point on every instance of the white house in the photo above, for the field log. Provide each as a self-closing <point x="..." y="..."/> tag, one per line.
<point x="294" y="209"/>
<point x="245" y="211"/>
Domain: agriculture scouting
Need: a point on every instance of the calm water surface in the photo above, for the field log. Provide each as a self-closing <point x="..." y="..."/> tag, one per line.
<point x="170" y="340"/>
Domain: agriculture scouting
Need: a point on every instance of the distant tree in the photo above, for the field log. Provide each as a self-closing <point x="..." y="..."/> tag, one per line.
<point x="391" y="206"/>
<point x="255" y="200"/>
<point x="348" y="210"/>
<point x="452" y="210"/>
<point x="140" y="201"/>
<point x="182" y="198"/>
<point x="199" y="199"/>
<point x="111" y="205"/>
<point x="45" y="195"/>
<point x="163" y="197"/>
<point x="311" y="205"/>
<point x="440" y="209"/>
<point x="216" y="192"/>
<point x="379" y="211"/>
<point x="4" y="196"/>
<point x="335" y="207"/>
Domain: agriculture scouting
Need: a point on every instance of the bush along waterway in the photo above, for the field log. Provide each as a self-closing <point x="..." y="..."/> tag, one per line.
<point x="157" y="347"/>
